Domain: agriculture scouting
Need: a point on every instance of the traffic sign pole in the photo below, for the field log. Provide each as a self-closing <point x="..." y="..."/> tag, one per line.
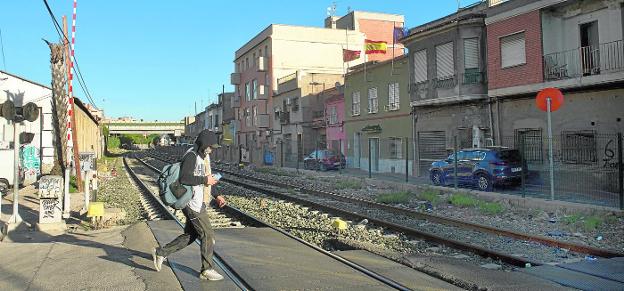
<point x="550" y="150"/>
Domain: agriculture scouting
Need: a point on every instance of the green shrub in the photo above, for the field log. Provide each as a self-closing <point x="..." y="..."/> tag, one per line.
<point x="73" y="186"/>
<point x="398" y="197"/>
<point x="113" y="142"/>
<point x="275" y="171"/>
<point x="348" y="184"/>
<point x="463" y="200"/>
<point x="572" y="219"/>
<point x="592" y="222"/>
<point x="431" y="196"/>
<point x="491" y="208"/>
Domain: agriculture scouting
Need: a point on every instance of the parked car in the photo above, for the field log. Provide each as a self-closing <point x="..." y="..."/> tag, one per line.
<point x="482" y="168"/>
<point x="324" y="160"/>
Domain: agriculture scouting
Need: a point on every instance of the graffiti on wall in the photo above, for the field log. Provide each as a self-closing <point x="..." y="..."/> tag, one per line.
<point x="610" y="158"/>
<point x="29" y="160"/>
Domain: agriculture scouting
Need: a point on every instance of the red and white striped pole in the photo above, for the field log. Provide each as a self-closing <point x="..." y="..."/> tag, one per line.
<point x="70" y="115"/>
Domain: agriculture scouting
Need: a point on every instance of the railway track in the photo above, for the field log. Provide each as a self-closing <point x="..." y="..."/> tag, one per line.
<point x="254" y="221"/>
<point x="327" y="201"/>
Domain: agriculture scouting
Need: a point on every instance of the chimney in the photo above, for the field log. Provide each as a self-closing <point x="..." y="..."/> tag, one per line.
<point x="330" y="22"/>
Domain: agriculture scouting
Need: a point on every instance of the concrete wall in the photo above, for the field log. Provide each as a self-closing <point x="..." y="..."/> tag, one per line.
<point x="589" y="110"/>
<point x="529" y="73"/>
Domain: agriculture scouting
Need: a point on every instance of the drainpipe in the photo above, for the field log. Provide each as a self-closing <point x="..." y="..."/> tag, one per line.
<point x="491" y="118"/>
<point x="498" y="121"/>
<point x="415" y="155"/>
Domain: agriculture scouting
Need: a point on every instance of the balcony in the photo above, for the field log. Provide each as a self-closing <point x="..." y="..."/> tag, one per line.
<point x="263" y="64"/>
<point x="474" y="77"/>
<point x="584" y="61"/>
<point x="236" y="102"/>
<point x="263" y="121"/>
<point x="445" y="82"/>
<point x="235" y="78"/>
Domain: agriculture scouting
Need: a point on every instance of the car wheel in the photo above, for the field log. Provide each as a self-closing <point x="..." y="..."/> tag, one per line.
<point x="484" y="183"/>
<point x="436" y="178"/>
<point x="322" y="167"/>
<point x="4" y="187"/>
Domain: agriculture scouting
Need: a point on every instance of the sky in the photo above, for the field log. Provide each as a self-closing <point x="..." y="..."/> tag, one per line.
<point x="154" y="60"/>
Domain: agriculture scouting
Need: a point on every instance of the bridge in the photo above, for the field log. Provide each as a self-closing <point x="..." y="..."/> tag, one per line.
<point x="147" y="128"/>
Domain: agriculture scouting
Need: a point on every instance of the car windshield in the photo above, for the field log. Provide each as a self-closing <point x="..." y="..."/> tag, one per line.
<point x="509" y="155"/>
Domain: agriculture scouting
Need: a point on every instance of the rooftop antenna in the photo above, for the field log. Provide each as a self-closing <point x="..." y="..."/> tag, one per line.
<point x="331" y="10"/>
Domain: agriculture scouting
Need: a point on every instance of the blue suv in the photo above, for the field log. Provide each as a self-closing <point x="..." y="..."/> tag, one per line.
<point x="482" y="168"/>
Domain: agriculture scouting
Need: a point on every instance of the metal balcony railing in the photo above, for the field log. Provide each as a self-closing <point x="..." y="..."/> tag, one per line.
<point x="584" y="61"/>
<point x="445" y="82"/>
<point x="469" y="78"/>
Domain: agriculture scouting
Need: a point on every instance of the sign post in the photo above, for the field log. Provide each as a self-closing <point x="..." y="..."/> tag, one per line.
<point x="549" y="100"/>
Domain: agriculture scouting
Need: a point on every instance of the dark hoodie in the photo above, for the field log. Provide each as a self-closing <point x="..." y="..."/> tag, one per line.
<point x="187" y="169"/>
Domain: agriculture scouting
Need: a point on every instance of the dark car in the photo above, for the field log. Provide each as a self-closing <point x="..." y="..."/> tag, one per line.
<point x="482" y="168"/>
<point x="324" y="160"/>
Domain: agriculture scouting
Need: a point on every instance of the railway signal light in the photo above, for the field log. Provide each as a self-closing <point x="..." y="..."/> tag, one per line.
<point x="29" y="112"/>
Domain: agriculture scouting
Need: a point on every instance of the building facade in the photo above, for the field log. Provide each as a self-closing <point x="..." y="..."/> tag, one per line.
<point x="377" y="111"/>
<point x="298" y="112"/>
<point x="449" y="85"/>
<point x="283" y="50"/>
<point x="334" y="120"/>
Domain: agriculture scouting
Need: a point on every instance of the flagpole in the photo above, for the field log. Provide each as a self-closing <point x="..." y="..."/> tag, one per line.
<point x="393" y="42"/>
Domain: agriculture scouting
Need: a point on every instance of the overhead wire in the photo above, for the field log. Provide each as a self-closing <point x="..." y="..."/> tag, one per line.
<point x="80" y="78"/>
<point x="2" y="45"/>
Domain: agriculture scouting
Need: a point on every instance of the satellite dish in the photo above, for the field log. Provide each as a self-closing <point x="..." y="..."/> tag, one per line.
<point x="31" y="111"/>
<point x="8" y="110"/>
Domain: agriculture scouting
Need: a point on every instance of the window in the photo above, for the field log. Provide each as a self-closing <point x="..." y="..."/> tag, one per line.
<point x="246" y="63"/>
<point x="513" y="51"/>
<point x="277" y="111"/>
<point x="579" y="147"/>
<point x="247" y="92"/>
<point x="471" y="53"/>
<point x="373" y="105"/>
<point x="238" y="67"/>
<point x="266" y="50"/>
<point x="295" y="104"/>
<point x="253" y="58"/>
<point x="529" y="141"/>
<point x="255" y="89"/>
<point x="355" y="104"/>
<point x="420" y="66"/>
<point x="333" y="115"/>
<point x="396" y="146"/>
<point x="266" y="80"/>
<point x="247" y="117"/>
<point x="255" y="115"/>
<point x="444" y="61"/>
<point x="393" y="96"/>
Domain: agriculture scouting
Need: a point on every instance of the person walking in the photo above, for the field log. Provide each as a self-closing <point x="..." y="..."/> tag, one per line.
<point x="195" y="171"/>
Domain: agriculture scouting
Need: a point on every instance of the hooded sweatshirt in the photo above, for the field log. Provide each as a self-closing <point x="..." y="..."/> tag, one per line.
<point x="193" y="172"/>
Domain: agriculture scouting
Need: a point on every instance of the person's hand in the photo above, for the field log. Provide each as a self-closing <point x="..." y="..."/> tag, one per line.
<point x="220" y="201"/>
<point x="210" y="180"/>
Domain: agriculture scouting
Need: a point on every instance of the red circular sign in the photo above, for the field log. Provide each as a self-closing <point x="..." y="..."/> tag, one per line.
<point x="556" y="99"/>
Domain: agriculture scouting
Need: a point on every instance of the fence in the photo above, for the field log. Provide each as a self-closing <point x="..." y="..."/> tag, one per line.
<point x="586" y="165"/>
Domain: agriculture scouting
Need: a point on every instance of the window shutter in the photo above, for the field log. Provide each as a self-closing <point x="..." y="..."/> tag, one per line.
<point x="471" y="53"/>
<point x="513" y="50"/>
<point x="420" y="66"/>
<point x="444" y="60"/>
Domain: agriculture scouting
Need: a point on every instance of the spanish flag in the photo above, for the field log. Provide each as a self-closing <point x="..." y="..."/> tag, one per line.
<point x="375" y="47"/>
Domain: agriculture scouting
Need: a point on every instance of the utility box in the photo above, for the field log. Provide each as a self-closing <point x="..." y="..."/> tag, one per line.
<point x="50" y="195"/>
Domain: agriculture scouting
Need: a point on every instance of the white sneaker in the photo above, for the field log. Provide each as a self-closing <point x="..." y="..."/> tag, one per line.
<point x="211" y="275"/>
<point x="158" y="260"/>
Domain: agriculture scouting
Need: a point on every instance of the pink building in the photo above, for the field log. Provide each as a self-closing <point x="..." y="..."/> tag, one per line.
<point x="335" y="116"/>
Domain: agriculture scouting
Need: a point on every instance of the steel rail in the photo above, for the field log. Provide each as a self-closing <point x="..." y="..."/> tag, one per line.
<point x="372" y="274"/>
<point x="443" y="220"/>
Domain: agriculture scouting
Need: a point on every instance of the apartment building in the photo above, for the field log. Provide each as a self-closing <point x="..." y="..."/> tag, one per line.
<point x="298" y="112"/>
<point x="377" y="120"/>
<point x="448" y="85"/>
<point x="282" y="50"/>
